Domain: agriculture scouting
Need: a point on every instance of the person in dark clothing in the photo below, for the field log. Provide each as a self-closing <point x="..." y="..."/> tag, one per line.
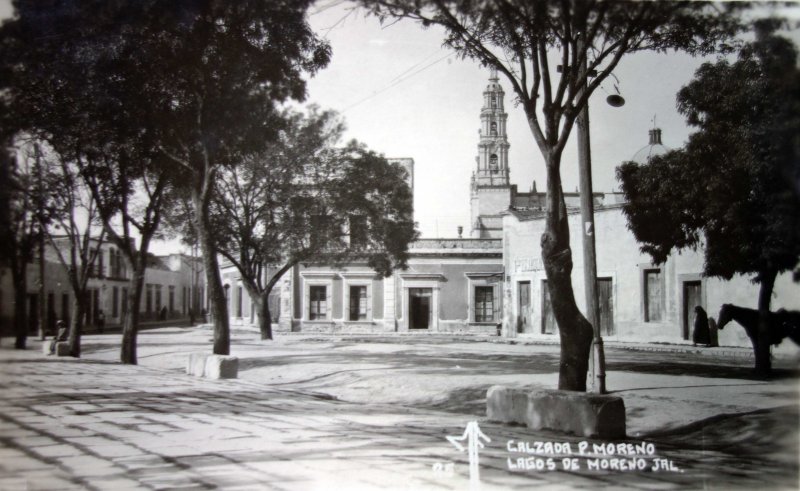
<point x="713" y="333"/>
<point x="101" y="321"/>
<point x="701" y="334"/>
<point x="60" y="336"/>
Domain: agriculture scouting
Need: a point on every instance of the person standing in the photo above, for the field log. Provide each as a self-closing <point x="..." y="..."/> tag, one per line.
<point x="701" y="334"/>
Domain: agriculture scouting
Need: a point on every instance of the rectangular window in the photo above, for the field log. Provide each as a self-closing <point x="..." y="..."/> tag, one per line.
<point x="317" y="230"/>
<point x="484" y="304"/>
<point x="652" y="295"/>
<point x="239" y="290"/>
<point x="358" y="303"/>
<point x="124" y="301"/>
<point x="65" y="308"/>
<point x="100" y="268"/>
<point x="148" y="299"/>
<point x="358" y="231"/>
<point x="318" y="302"/>
<point x="115" y="301"/>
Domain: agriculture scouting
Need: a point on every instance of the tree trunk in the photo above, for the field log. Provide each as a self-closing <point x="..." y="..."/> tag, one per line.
<point x="264" y="317"/>
<point x="219" y="308"/>
<point x="20" y="312"/>
<point x="130" y="325"/>
<point x="76" y="324"/>
<point x="574" y="330"/>
<point x="763" y="361"/>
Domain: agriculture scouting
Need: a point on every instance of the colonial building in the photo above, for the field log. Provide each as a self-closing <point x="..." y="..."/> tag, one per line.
<point x="639" y="301"/>
<point x="173" y="285"/>
<point x="450" y="285"/>
<point x="494" y="282"/>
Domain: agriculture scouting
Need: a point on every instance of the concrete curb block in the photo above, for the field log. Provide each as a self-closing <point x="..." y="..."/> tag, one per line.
<point x="45" y="347"/>
<point x="578" y="413"/>
<point x="62" y="348"/>
<point x="212" y="366"/>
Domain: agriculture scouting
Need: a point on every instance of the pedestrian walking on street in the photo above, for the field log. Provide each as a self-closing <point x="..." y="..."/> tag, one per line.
<point x="701" y="334"/>
<point x="101" y="321"/>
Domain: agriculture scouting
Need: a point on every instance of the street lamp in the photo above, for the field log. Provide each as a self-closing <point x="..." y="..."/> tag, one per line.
<point x="598" y="368"/>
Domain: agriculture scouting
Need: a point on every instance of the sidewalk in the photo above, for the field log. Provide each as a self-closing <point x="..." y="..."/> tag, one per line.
<point x="95" y="424"/>
<point x="735" y="352"/>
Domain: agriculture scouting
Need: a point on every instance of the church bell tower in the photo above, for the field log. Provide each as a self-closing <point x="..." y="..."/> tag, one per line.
<point x="490" y="189"/>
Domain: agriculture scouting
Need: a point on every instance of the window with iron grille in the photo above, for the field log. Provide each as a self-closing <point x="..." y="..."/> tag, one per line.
<point x="318" y="304"/>
<point x="484" y="304"/>
<point x="358" y="303"/>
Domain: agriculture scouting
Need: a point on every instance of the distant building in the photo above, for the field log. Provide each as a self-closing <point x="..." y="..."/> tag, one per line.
<point x="170" y="282"/>
<point x="491" y="193"/>
<point x="639" y="301"/>
<point x="494" y="282"/>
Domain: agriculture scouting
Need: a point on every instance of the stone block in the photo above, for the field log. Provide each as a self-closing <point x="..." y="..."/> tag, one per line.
<point x="196" y="364"/>
<point x="221" y="366"/>
<point x="578" y="413"/>
<point x="506" y="404"/>
<point x="62" y="349"/>
<point x="46" y="347"/>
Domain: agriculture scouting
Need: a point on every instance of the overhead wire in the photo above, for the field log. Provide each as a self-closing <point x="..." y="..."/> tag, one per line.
<point x="397" y="82"/>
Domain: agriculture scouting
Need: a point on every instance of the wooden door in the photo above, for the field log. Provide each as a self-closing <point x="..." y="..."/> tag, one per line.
<point x="419" y="306"/>
<point x="653" y="303"/>
<point x="524" y="323"/>
<point x="549" y="325"/>
<point x="605" y="300"/>
<point x="691" y="299"/>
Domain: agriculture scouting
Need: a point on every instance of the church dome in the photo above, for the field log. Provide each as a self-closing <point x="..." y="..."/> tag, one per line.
<point x="654" y="148"/>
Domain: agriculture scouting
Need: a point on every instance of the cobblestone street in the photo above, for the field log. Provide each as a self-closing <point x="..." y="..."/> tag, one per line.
<point x="95" y="424"/>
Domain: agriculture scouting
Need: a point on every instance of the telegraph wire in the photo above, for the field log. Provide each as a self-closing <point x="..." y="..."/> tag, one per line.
<point x="392" y="85"/>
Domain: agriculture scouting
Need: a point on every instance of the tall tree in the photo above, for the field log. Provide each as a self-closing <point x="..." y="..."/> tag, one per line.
<point x="74" y="233"/>
<point x="305" y="200"/>
<point x="19" y="228"/>
<point x="134" y="192"/>
<point x="734" y="189"/>
<point x="545" y="49"/>
<point x="47" y="61"/>
<point x="217" y="70"/>
<point x="197" y="80"/>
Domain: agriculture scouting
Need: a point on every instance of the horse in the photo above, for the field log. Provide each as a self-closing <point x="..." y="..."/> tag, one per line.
<point x="782" y="324"/>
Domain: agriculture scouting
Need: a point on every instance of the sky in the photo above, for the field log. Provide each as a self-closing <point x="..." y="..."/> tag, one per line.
<point x="405" y="95"/>
<point x="402" y="95"/>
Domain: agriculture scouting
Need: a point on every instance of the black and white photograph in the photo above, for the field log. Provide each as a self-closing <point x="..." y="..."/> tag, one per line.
<point x="399" y="245"/>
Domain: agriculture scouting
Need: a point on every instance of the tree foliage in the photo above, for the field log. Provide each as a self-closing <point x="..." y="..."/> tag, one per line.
<point x="734" y="189"/>
<point x="304" y="199"/>
<point x="191" y="83"/>
<point x="50" y="63"/>
<point x="545" y="49"/>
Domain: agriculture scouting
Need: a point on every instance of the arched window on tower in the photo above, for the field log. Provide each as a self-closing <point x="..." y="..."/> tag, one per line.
<point x="493" y="129"/>
<point x="494" y="101"/>
<point x="493" y="163"/>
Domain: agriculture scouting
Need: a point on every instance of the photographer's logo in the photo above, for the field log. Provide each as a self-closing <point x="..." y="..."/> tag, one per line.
<point x="473" y="436"/>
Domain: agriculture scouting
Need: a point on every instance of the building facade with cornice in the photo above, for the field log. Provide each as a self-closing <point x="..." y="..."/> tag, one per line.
<point x="494" y="282"/>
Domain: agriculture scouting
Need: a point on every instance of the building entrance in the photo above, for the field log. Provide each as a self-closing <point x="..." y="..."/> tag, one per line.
<point x="691" y="299"/>
<point x="605" y="300"/>
<point x="419" y="307"/>
<point x="524" y="324"/>
<point x="549" y="325"/>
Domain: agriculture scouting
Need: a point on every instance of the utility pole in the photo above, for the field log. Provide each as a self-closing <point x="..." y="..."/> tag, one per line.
<point x="598" y="369"/>
<point x="43" y="307"/>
